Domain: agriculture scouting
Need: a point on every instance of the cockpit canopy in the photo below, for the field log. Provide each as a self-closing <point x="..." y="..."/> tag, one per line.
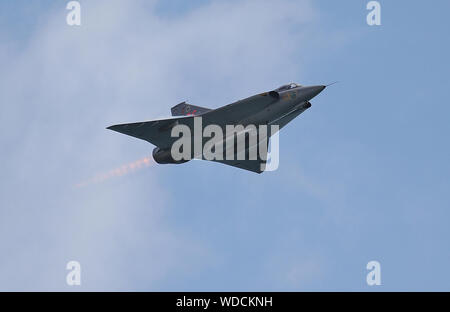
<point x="288" y="87"/>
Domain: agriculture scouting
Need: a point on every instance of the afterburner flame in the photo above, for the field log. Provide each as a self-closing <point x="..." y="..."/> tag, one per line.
<point x="118" y="172"/>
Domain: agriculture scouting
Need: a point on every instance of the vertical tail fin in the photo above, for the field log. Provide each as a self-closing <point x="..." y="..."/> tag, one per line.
<point x="185" y="109"/>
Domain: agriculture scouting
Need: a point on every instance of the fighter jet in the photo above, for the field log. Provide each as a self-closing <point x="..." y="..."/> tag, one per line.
<point x="277" y="107"/>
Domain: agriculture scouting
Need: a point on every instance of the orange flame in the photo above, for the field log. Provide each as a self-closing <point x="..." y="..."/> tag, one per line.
<point x="118" y="172"/>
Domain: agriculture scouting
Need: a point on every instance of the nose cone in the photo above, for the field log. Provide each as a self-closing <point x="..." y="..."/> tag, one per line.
<point x="312" y="91"/>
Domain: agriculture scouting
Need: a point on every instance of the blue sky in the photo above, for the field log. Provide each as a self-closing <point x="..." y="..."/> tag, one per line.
<point x="364" y="174"/>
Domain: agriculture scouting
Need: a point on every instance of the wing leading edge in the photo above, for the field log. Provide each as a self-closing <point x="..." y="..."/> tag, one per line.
<point x="156" y="132"/>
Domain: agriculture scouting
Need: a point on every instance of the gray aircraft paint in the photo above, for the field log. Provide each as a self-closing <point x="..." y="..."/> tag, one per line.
<point x="277" y="107"/>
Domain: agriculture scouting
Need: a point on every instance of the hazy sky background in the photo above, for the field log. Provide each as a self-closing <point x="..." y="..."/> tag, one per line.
<point x="364" y="174"/>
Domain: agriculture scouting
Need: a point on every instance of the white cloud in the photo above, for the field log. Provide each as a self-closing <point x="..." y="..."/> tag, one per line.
<point x="61" y="89"/>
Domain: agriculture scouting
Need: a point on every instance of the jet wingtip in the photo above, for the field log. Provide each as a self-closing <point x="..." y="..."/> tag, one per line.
<point x="114" y="127"/>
